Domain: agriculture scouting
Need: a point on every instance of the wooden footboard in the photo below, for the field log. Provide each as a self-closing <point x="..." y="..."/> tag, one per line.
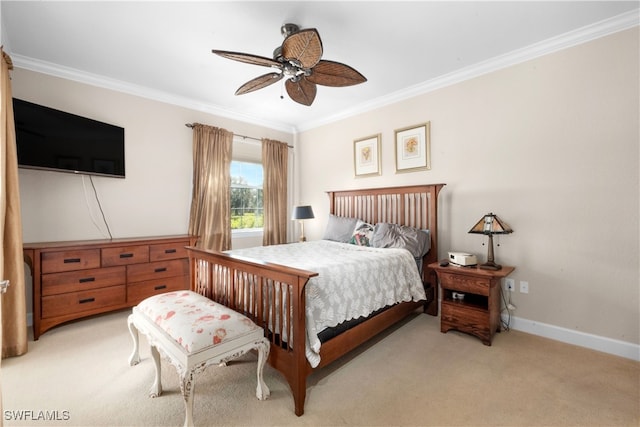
<point x="264" y="292"/>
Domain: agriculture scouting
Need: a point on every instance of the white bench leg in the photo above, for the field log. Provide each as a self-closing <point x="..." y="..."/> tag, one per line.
<point x="156" y="387"/>
<point x="262" y="391"/>
<point x="187" y="384"/>
<point x="134" y="359"/>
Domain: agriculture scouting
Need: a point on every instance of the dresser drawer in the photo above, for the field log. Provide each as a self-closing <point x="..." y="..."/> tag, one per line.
<point x="459" y="282"/>
<point x="136" y="292"/>
<point x="157" y="270"/>
<point x="125" y="255"/>
<point x="82" y="280"/>
<point x="54" y="262"/>
<point x="168" y="251"/>
<point x="76" y="302"/>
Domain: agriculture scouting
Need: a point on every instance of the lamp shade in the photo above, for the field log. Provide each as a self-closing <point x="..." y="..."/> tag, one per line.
<point x="302" y="212"/>
<point x="491" y="224"/>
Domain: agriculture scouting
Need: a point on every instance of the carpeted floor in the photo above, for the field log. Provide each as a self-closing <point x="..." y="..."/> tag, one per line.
<point x="411" y="375"/>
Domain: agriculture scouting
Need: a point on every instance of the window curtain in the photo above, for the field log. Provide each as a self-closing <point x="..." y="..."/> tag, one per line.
<point x="210" y="217"/>
<point x="13" y="333"/>
<point x="275" y="164"/>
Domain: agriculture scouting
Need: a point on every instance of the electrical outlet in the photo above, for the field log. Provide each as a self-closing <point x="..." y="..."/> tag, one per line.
<point x="510" y="284"/>
<point x="524" y="287"/>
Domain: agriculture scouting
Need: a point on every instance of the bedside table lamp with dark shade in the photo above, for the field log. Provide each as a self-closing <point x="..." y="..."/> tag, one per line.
<point x="489" y="225"/>
<point x="301" y="213"/>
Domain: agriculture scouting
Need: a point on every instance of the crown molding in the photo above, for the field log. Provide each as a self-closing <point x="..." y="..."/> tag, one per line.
<point x="141" y="91"/>
<point x="582" y="35"/>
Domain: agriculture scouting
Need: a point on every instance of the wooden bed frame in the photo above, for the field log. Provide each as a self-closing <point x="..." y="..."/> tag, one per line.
<point x="265" y="291"/>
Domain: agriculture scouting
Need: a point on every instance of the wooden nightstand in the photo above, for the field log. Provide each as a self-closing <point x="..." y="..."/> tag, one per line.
<point x="478" y="313"/>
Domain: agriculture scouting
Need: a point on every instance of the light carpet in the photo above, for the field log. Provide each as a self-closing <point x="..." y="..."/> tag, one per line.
<point x="411" y="375"/>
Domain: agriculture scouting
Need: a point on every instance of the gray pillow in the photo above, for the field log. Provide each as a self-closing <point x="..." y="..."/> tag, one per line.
<point x="416" y="241"/>
<point x="339" y="228"/>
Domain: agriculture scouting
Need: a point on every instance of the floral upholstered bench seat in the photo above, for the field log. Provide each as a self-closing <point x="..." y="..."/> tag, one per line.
<point x="193" y="332"/>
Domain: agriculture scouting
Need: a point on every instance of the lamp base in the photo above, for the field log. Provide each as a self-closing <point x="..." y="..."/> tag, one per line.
<point x="490" y="266"/>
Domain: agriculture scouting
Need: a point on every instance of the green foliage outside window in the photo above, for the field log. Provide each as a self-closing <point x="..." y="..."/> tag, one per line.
<point x="246" y="202"/>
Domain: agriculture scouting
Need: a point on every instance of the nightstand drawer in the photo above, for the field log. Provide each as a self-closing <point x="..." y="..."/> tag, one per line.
<point x="464" y="318"/>
<point x="462" y="283"/>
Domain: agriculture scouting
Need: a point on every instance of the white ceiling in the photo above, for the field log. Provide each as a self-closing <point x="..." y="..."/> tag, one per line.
<point x="162" y="50"/>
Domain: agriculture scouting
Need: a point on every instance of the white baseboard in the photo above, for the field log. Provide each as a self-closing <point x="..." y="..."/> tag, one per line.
<point x="607" y="345"/>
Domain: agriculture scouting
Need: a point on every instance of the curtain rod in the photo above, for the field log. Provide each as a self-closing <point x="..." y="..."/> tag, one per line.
<point x="191" y="125"/>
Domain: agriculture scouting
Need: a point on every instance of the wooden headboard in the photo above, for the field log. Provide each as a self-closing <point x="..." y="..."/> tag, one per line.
<point x="413" y="206"/>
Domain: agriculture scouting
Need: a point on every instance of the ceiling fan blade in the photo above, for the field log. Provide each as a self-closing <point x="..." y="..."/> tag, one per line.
<point x="331" y="73"/>
<point x="248" y="58"/>
<point x="302" y="91"/>
<point x="305" y="46"/>
<point x="259" y="83"/>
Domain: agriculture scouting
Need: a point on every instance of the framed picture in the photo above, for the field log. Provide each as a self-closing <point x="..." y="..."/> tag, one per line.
<point x="366" y="156"/>
<point x="413" y="148"/>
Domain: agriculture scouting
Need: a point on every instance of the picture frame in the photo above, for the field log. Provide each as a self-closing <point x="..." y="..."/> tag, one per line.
<point x="413" y="148"/>
<point x="366" y="156"/>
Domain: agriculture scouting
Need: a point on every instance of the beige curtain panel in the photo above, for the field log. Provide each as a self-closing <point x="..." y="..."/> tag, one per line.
<point x="13" y="333"/>
<point x="275" y="160"/>
<point x="210" y="217"/>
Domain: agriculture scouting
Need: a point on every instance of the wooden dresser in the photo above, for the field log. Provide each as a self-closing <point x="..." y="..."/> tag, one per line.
<point x="75" y="279"/>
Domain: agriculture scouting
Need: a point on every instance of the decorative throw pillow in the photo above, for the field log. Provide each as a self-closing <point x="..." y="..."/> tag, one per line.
<point x="339" y="229"/>
<point x="362" y="234"/>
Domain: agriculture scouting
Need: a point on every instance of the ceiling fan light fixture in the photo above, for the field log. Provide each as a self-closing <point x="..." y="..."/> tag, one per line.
<point x="299" y="60"/>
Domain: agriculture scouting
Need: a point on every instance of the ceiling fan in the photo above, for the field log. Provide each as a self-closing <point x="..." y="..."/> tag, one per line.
<point x="297" y="60"/>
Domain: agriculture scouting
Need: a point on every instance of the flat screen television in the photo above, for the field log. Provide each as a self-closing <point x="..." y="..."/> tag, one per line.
<point x="53" y="140"/>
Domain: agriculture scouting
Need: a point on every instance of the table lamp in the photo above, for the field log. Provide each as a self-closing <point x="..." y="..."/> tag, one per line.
<point x="301" y="213"/>
<point x="490" y="224"/>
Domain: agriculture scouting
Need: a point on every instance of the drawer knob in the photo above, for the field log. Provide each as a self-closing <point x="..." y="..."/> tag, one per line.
<point x="160" y="270"/>
<point x="159" y="287"/>
<point x="86" y="300"/>
<point x="71" y="260"/>
<point x="87" y="279"/>
<point x="170" y="251"/>
<point x="126" y="255"/>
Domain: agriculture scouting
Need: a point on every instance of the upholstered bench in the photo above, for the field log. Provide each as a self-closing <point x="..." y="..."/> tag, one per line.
<point x="193" y="332"/>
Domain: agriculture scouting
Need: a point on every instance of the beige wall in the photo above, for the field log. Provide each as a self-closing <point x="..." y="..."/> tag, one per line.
<point x="551" y="146"/>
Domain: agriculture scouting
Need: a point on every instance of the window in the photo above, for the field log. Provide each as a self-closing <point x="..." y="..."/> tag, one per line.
<point x="246" y="196"/>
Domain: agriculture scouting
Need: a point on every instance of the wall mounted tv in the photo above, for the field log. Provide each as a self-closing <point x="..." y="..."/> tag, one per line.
<point x="50" y="139"/>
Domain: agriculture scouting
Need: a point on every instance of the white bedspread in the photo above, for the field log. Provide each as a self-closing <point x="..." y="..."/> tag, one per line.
<point x="352" y="281"/>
